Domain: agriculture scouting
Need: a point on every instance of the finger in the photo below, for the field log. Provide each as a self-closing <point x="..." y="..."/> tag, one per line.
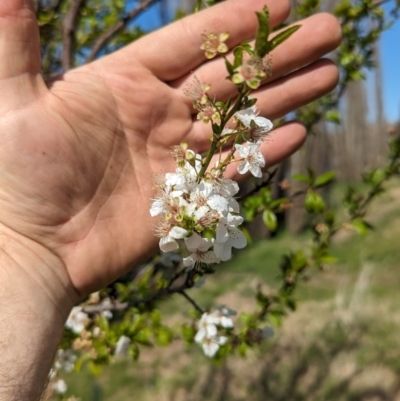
<point x="297" y="89"/>
<point x="175" y="50"/>
<point x="282" y="143"/>
<point x="19" y="39"/>
<point x="318" y="35"/>
<point x="283" y="96"/>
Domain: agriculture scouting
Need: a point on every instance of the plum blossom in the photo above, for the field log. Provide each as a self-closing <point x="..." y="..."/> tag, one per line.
<point x="222" y="317"/>
<point x="65" y="360"/>
<point x="258" y="126"/>
<point x="169" y="236"/>
<point x="253" y="159"/>
<point x="206" y="327"/>
<point x="211" y="345"/>
<point x="77" y="320"/>
<point x="200" y="251"/>
<point x="60" y="387"/>
<point x="203" y="195"/>
<point x="207" y="335"/>
<point x="228" y="236"/>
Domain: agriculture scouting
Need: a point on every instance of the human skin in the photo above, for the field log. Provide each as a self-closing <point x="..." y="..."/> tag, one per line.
<point x="77" y="155"/>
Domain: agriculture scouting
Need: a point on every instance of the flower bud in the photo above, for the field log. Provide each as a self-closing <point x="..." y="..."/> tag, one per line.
<point x="190" y="155"/>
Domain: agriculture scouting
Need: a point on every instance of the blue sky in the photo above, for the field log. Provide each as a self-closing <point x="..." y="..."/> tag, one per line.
<point x="390" y="58"/>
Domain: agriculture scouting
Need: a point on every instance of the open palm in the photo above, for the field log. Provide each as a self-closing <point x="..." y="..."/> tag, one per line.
<point x="77" y="154"/>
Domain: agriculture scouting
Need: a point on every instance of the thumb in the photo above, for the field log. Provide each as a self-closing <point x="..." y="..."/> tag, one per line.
<point x="19" y="39"/>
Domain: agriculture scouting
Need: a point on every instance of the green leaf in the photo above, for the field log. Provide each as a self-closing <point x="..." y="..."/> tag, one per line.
<point x="302" y="178"/>
<point x="238" y="54"/>
<point x="197" y="6"/>
<point x="250" y="102"/>
<point x="333" y="116"/>
<point x="275" y="319"/>
<point x="164" y="336"/>
<point x="324" y="178"/>
<point x="134" y="351"/>
<point x="242" y="349"/>
<point x="298" y="260"/>
<point x="361" y="226"/>
<point x="328" y="259"/>
<point x="188" y="333"/>
<point x="314" y="203"/>
<point x="281" y="37"/>
<point x="270" y="220"/>
<point x="95" y="368"/>
<point x="262" y="46"/>
<point x="143" y="337"/>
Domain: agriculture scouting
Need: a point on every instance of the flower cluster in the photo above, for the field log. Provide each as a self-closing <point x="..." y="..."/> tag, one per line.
<point x="196" y="203"/>
<point x="208" y="335"/>
<point x="199" y="213"/>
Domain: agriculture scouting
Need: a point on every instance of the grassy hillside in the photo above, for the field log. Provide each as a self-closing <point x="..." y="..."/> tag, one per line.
<point x="342" y="343"/>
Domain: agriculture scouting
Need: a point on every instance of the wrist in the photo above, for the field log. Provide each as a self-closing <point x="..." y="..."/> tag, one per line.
<point x="36" y="296"/>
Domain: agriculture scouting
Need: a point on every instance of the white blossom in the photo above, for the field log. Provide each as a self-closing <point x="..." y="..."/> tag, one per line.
<point x="223" y="317"/>
<point x="207" y="335"/>
<point x="168" y="243"/>
<point x="60" y="387"/>
<point x="184" y="177"/>
<point x="107" y="303"/>
<point x="228" y="236"/>
<point x="206" y="327"/>
<point x="96" y="332"/>
<point x="227" y="187"/>
<point x="204" y="194"/>
<point x="253" y="159"/>
<point x="77" y="320"/>
<point x="258" y="126"/>
<point x="211" y="344"/>
<point x="200" y="251"/>
<point x="65" y="360"/>
<point x="122" y="346"/>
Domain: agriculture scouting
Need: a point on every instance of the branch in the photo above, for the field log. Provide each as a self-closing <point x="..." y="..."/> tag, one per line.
<point x="117" y="27"/>
<point x="259" y="186"/>
<point x="170" y="289"/>
<point x="68" y="29"/>
<point x="378" y="3"/>
<point x="192" y="301"/>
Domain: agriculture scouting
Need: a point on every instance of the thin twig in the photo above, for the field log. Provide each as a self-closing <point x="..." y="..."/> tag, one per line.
<point x="68" y="29"/>
<point x="259" y="186"/>
<point x="192" y="301"/>
<point x="117" y="27"/>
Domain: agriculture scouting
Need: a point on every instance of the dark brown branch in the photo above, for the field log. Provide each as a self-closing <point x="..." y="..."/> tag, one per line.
<point x="172" y="288"/>
<point x="192" y="301"/>
<point x="258" y="187"/>
<point x="68" y="29"/>
<point x="117" y="27"/>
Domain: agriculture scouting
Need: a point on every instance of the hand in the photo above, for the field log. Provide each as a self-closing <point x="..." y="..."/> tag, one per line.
<point x="77" y="154"/>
